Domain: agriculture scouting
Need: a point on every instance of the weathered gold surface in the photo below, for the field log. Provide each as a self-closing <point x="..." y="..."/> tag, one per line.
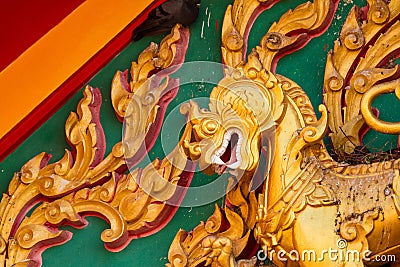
<point x="309" y="202"/>
<point x="84" y="183"/>
<point x="286" y="193"/>
<point x="361" y="55"/>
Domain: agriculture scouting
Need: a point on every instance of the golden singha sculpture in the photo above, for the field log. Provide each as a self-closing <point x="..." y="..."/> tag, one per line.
<point x="287" y="195"/>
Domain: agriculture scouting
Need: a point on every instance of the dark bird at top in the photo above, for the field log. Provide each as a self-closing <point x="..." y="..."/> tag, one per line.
<point x="164" y="17"/>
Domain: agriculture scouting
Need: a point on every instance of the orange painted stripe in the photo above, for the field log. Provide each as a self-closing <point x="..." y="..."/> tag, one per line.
<point x="48" y="63"/>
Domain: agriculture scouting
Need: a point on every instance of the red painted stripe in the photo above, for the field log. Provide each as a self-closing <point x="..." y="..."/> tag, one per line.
<point x="52" y="103"/>
<point x="23" y="22"/>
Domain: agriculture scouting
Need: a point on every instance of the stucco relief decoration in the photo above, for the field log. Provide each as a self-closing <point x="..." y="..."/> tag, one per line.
<point x="259" y="125"/>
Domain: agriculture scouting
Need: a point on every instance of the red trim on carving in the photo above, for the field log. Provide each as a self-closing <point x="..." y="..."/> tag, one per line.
<point x="62" y="94"/>
<point x="305" y="36"/>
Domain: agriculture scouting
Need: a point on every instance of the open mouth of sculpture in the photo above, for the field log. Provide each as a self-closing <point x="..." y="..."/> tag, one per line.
<point x="228" y="155"/>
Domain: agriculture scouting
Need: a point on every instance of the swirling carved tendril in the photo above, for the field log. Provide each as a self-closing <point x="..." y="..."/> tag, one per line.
<point x="378" y="12"/>
<point x="335" y="82"/>
<point x="353" y="40"/>
<point x="363" y="80"/>
<point x="274" y="40"/>
<point x="234" y="41"/>
<point x="366" y="107"/>
<point x="352" y="36"/>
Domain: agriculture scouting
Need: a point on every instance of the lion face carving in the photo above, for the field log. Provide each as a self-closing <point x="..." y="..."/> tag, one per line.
<point x="228" y="134"/>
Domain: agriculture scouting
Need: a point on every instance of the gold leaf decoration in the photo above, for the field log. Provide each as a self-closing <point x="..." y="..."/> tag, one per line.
<point x="84" y="183"/>
<point x="359" y="61"/>
<point x="283" y="186"/>
<point x="305" y="21"/>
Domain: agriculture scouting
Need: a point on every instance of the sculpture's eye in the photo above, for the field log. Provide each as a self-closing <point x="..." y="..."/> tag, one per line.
<point x="209" y="126"/>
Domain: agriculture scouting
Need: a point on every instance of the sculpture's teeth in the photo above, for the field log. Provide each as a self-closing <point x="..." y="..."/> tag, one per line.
<point x="225" y="143"/>
<point x="220" y="151"/>
<point x="238" y="147"/>
<point x="234" y="165"/>
<point x="218" y="161"/>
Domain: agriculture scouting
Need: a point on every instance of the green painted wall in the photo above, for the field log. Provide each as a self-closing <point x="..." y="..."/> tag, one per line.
<point x="306" y="67"/>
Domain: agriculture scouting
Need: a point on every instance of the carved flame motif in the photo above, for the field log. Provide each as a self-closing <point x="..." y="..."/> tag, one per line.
<point x="84" y="183"/>
<point x="360" y="68"/>
<point x="259" y="124"/>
